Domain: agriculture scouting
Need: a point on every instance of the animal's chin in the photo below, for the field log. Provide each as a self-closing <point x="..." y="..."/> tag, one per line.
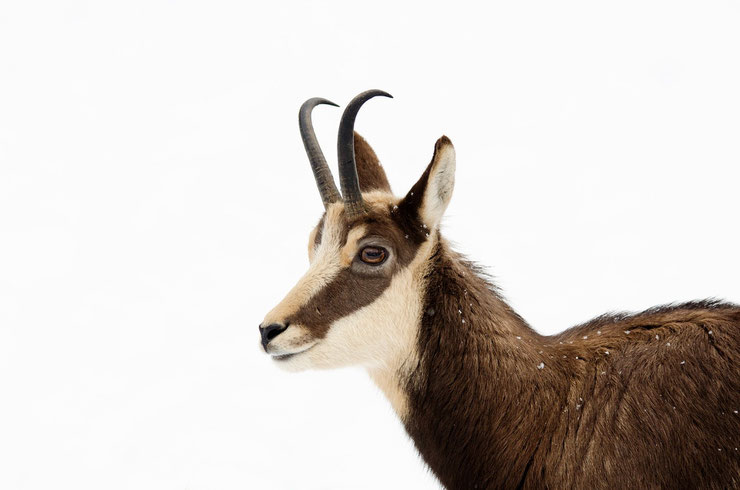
<point x="281" y="358"/>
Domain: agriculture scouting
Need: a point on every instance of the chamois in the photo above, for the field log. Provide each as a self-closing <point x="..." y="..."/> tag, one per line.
<point x="646" y="400"/>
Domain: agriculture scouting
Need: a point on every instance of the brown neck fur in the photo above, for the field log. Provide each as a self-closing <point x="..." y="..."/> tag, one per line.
<point x="493" y="404"/>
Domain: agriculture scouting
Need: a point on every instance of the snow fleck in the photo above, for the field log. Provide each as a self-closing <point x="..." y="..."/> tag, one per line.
<point x="406" y="236"/>
<point x="657" y="337"/>
<point x="459" y="311"/>
<point x="463" y="320"/>
<point x="518" y="337"/>
<point x="674" y="408"/>
<point x="577" y="357"/>
<point x="627" y="332"/>
<point x="395" y="207"/>
<point x="541" y="365"/>
<point x="734" y="411"/>
<point x="423" y="226"/>
<point x="598" y="332"/>
<point x="412" y="193"/>
<point x="606" y="352"/>
<point x="585" y="337"/>
<point x="668" y="344"/>
<point x="540" y="352"/>
<point x="710" y="332"/>
<point x="427" y="235"/>
<point x="560" y="342"/>
<point x="683" y="362"/>
<point x="603" y="372"/>
<point x="570" y="341"/>
<point x="578" y="406"/>
<point x="565" y="357"/>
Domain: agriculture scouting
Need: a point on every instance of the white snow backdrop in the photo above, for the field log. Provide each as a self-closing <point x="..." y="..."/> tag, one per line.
<point x="155" y="203"/>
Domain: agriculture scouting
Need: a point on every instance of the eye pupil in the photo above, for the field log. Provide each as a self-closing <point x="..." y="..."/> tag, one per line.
<point x="373" y="255"/>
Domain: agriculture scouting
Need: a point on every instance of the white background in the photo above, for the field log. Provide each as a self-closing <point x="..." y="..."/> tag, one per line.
<point x="155" y="203"/>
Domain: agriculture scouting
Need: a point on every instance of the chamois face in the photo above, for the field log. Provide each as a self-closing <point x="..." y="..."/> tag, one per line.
<point x="361" y="299"/>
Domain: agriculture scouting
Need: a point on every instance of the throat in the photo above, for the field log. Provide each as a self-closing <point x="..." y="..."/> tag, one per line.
<point x="393" y="385"/>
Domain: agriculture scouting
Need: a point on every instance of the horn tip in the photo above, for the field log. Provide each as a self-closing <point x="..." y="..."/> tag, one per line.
<point x="383" y="93"/>
<point x="314" y="101"/>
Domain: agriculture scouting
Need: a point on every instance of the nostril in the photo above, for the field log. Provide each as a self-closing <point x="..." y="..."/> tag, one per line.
<point x="271" y="331"/>
<point x="271" y="334"/>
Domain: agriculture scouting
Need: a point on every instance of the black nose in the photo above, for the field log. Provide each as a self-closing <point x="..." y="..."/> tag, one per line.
<point x="270" y="332"/>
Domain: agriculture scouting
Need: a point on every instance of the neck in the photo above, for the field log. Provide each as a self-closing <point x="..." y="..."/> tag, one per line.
<point x="476" y="382"/>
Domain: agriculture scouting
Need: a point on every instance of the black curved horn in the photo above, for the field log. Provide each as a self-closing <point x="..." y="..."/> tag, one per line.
<point x="348" y="180"/>
<point x="321" y="171"/>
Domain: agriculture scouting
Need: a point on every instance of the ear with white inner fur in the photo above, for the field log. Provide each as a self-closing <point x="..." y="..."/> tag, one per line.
<point x="431" y="194"/>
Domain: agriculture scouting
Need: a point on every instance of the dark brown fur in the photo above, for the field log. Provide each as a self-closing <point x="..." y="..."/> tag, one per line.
<point x="652" y="408"/>
<point x="369" y="170"/>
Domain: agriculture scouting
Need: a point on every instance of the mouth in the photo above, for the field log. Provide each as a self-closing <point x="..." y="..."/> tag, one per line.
<point x="284" y="357"/>
<point x="290" y="355"/>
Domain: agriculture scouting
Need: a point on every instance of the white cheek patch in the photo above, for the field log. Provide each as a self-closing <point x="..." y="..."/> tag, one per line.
<point x="380" y="336"/>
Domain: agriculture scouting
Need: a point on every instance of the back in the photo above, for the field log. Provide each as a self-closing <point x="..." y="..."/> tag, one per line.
<point x="655" y="399"/>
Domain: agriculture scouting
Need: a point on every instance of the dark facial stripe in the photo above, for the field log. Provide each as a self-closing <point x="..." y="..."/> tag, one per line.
<point x="348" y="292"/>
<point x="352" y="289"/>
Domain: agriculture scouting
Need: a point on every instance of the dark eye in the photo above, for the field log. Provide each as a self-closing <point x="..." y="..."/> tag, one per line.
<point x="373" y="255"/>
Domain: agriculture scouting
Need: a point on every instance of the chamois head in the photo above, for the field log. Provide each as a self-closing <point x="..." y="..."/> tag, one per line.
<point x="360" y="301"/>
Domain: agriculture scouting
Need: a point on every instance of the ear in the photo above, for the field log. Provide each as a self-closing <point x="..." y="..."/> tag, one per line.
<point x="369" y="171"/>
<point x="429" y="197"/>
